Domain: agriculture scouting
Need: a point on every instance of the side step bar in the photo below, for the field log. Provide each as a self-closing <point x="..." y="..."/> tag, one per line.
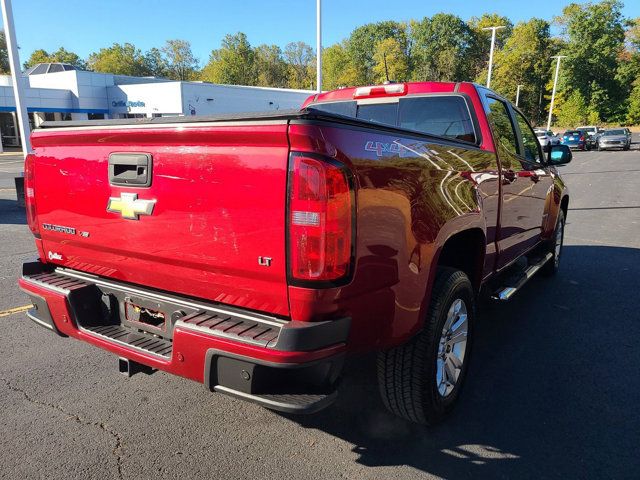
<point x="505" y="293"/>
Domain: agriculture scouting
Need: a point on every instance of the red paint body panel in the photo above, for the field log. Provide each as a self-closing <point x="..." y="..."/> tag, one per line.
<point x="220" y="205"/>
<point x="221" y="191"/>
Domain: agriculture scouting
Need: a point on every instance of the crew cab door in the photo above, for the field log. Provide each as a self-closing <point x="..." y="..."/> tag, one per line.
<point x="525" y="181"/>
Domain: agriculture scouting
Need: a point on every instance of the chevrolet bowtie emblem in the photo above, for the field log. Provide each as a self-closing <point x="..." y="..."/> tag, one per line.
<point x="130" y="206"/>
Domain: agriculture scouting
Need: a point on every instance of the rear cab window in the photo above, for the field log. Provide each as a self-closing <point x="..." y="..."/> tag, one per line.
<point x="443" y="115"/>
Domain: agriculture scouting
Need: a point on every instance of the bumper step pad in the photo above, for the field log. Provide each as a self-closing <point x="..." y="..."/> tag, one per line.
<point x="232" y="327"/>
<point x="139" y="341"/>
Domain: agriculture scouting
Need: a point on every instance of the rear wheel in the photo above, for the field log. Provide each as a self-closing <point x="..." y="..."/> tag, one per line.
<point x="421" y="380"/>
<point x="555" y="247"/>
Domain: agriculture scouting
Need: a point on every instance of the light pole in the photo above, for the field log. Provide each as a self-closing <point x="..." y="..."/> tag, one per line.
<point x="518" y="94"/>
<point x="319" y="46"/>
<point x="553" y="92"/>
<point x="16" y="76"/>
<point x="493" y="43"/>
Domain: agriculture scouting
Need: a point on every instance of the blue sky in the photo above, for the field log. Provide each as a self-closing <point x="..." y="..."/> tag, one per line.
<point x="84" y="26"/>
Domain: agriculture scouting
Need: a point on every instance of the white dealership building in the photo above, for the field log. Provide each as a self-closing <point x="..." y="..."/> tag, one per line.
<point x="56" y="91"/>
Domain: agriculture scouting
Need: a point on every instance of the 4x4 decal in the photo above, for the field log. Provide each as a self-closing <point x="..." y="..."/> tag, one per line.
<point x="382" y="147"/>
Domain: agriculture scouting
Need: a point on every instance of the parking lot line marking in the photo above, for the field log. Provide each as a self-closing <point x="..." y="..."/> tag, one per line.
<point x="11" y="311"/>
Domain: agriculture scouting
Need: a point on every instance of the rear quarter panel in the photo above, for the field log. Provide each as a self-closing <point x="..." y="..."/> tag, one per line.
<point x="411" y="196"/>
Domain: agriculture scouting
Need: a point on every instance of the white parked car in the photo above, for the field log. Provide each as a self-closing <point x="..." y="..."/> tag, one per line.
<point x="546" y="137"/>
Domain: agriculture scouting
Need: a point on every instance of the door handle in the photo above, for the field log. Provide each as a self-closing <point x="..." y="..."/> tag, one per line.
<point x="130" y="169"/>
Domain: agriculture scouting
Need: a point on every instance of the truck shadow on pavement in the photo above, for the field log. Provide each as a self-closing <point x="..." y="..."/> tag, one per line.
<point x="11" y="213"/>
<point x="552" y="390"/>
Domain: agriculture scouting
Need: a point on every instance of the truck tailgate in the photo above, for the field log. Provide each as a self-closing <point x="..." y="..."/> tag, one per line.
<point x="216" y="225"/>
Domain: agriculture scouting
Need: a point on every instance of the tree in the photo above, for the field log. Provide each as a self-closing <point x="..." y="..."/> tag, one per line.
<point x="61" y="56"/>
<point x="156" y="63"/>
<point x="337" y="69"/>
<point x="271" y="69"/>
<point x="633" y="113"/>
<point x="390" y="60"/>
<point x="481" y="47"/>
<point x="233" y="63"/>
<point x="594" y="42"/>
<point x="179" y="60"/>
<point x="362" y="42"/>
<point x="4" y="54"/>
<point x="301" y="59"/>
<point x="440" y="48"/>
<point x="119" y="59"/>
<point x="524" y="60"/>
<point x="573" y="111"/>
<point x="38" y="56"/>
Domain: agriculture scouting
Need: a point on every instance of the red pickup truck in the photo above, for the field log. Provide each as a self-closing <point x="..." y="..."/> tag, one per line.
<point x="253" y="252"/>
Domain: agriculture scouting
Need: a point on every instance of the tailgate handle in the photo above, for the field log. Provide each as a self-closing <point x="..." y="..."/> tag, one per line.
<point x="130" y="169"/>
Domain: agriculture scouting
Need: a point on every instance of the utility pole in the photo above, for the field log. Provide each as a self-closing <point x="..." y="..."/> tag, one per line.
<point x="553" y="92"/>
<point x="518" y="95"/>
<point x="16" y="77"/>
<point x="493" y="43"/>
<point x="319" y="46"/>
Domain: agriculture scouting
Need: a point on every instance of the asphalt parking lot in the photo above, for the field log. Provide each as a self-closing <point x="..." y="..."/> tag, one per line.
<point x="553" y="390"/>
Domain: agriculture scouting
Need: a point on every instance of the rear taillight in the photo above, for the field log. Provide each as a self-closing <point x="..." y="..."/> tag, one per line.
<point x="582" y="139"/>
<point x="320" y="219"/>
<point x="29" y="195"/>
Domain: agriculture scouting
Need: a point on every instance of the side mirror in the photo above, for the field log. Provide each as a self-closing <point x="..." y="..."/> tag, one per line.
<point x="559" y="155"/>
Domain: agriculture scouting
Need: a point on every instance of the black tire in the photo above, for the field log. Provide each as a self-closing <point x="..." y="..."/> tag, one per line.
<point x="407" y="374"/>
<point x="553" y="265"/>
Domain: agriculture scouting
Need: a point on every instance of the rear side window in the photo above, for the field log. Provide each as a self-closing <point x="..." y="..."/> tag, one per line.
<point x="446" y="116"/>
<point x="385" y="113"/>
<point x="348" y="109"/>
<point x="442" y="115"/>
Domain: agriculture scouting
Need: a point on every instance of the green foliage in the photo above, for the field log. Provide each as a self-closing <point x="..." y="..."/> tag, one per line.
<point x="481" y="46"/>
<point x="362" y="43"/>
<point x="301" y="60"/>
<point x="61" y="55"/>
<point x="594" y="42"/>
<point x="633" y="114"/>
<point x="233" y="63"/>
<point x="178" y="60"/>
<point x="599" y="80"/>
<point x="441" y="48"/>
<point x="156" y="63"/>
<point x="337" y="70"/>
<point x="271" y="69"/>
<point x="524" y="60"/>
<point x="119" y="59"/>
<point x="573" y="111"/>
<point x="390" y="60"/>
<point x="4" y="55"/>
